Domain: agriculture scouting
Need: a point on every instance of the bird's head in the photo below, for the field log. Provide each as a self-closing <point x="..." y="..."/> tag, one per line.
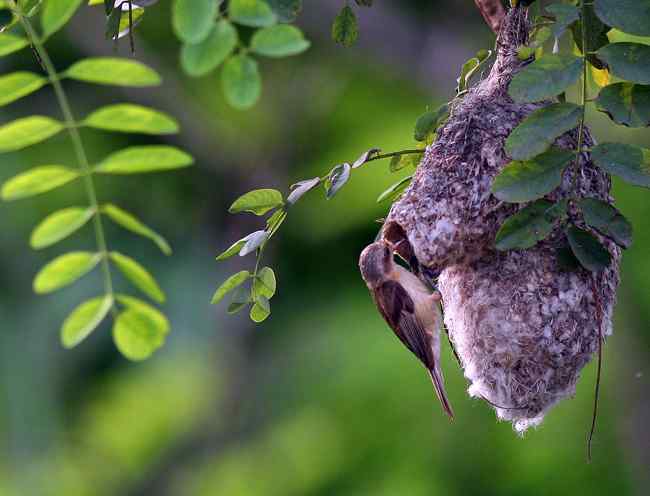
<point x="376" y="262"/>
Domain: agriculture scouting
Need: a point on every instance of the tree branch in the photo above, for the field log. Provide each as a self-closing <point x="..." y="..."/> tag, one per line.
<point x="493" y="12"/>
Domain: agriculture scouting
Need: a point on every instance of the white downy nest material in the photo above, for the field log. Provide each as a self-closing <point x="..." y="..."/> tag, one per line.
<point x="522" y="327"/>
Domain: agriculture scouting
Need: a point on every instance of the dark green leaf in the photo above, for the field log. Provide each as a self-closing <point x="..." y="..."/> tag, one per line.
<point x="241" y="81"/>
<point x="65" y="270"/>
<point x="521" y="182"/>
<point x="630" y="61"/>
<point x="286" y="10"/>
<point x="10" y="43"/>
<point x="564" y="15"/>
<point x="596" y="37"/>
<point x="631" y="16"/>
<point x="539" y="130"/>
<point x="6" y="18"/>
<point x="626" y="103"/>
<point x="631" y="163"/>
<point x="202" y="58"/>
<point x="428" y="123"/>
<point x="607" y="220"/>
<point x="84" y="319"/>
<point x="233" y="250"/>
<point x="588" y="250"/>
<point x="258" y="202"/>
<point x="230" y="284"/>
<point x="530" y="225"/>
<point x="345" y="29"/>
<point x="545" y="78"/>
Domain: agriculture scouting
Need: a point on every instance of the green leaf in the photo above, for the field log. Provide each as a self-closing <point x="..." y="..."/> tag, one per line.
<point x="545" y="78"/>
<point x="193" y="19"/>
<point x="59" y="225"/>
<point x="588" y="250"/>
<point x="596" y="35"/>
<point x="230" y="284"/>
<point x="147" y="158"/>
<point x="539" y="130"/>
<point x="233" y="250"/>
<point x="279" y="41"/>
<point x="265" y="283"/>
<point x="465" y="73"/>
<point x="139" y="330"/>
<point x="345" y="29"/>
<point x="337" y="178"/>
<point x="530" y="225"/>
<point x="254" y="13"/>
<point x="521" y="182"/>
<point x="113" y="71"/>
<point x="631" y="16"/>
<point x="258" y="202"/>
<point x="240" y="300"/>
<point x="630" y="61"/>
<point x="10" y="43"/>
<point x="395" y="191"/>
<point x="56" y="13"/>
<point x="241" y="81"/>
<point x="274" y="222"/>
<point x="365" y="157"/>
<point x="630" y="163"/>
<point x="261" y="310"/>
<point x="37" y="180"/>
<point x="84" y="319"/>
<point x="565" y="15"/>
<point x="286" y="10"/>
<point x="27" y="131"/>
<point x="428" y="123"/>
<point x="65" y="270"/>
<point x="130" y="118"/>
<point x="139" y="276"/>
<point x="131" y="223"/>
<point x="607" y="220"/>
<point x="626" y="103"/>
<point x="202" y="58"/>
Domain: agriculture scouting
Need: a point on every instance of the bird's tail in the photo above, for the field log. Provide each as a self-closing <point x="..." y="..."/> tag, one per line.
<point x="439" y="386"/>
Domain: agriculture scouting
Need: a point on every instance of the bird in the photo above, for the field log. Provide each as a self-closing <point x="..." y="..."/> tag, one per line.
<point x="409" y="307"/>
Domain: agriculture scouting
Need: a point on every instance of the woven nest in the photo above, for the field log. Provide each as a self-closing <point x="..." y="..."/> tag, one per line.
<point x="522" y="327"/>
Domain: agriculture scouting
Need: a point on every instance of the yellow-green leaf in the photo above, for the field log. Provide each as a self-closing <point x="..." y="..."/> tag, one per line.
<point x="56" y="13"/>
<point x="59" y="225"/>
<point x="65" y="270"/>
<point x="84" y="320"/>
<point x="254" y="13"/>
<point x="241" y="81"/>
<point x="10" y="43"/>
<point x="202" y="58"/>
<point x="113" y="71"/>
<point x="261" y="310"/>
<point x="36" y="181"/>
<point x="138" y="275"/>
<point x="27" y="131"/>
<point x="130" y="118"/>
<point x="258" y="202"/>
<point x="131" y="223"/>
<point x="19" y="84"/>
<point x="139" y="330"/>
<point x="265" y="284"/>
<point x="149" y="158"/>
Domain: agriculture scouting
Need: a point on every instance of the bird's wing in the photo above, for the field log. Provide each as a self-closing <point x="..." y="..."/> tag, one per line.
<point x="398" y="309"/>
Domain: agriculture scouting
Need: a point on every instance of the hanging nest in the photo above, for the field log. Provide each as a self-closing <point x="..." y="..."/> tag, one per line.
<point x="523" y="326"/>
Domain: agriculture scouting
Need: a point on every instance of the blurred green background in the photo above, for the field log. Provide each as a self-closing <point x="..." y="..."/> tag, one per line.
<point x="321" y="399"/>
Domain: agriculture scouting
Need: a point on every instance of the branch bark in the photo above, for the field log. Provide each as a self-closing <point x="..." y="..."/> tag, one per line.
<point x="493" y="13"/>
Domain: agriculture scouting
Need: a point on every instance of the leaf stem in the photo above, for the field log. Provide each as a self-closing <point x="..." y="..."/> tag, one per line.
<point x="71" y="126"/>
<point x="583" y="98"/>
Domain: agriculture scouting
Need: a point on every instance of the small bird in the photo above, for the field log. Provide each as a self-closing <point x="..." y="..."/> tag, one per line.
<point x="409" y="308"/>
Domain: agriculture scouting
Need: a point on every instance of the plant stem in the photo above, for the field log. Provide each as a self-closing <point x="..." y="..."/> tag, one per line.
<point x="71" y="126"/>
<point x="394" y="154"/>
<point x="583" y="98"/>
